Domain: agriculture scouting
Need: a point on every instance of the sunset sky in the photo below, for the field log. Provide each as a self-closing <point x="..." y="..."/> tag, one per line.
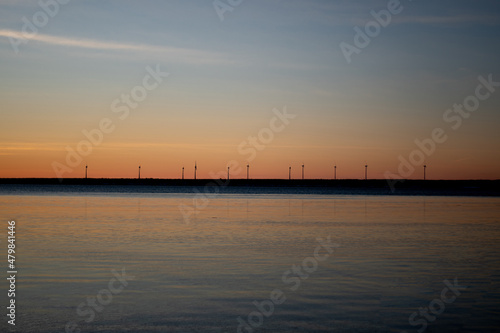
<point x="227" y="76"/>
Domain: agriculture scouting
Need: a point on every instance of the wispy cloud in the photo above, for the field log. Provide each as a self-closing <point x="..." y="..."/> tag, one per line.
<point x="172" y="53"/>
<point x="14" y="148"/>
<point x="18" y="147"/>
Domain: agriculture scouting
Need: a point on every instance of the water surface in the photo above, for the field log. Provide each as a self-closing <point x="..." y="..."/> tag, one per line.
<point x="201" y="274"/>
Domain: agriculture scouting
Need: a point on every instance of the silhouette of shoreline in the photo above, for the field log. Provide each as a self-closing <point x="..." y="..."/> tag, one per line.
<point x="341" y="186"/>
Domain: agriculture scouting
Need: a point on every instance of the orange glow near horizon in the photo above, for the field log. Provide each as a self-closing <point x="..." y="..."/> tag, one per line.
<point x="270" y="163"/>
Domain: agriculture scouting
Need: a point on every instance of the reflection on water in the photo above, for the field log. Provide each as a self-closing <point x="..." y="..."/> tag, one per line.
<point x="394" y="254"/>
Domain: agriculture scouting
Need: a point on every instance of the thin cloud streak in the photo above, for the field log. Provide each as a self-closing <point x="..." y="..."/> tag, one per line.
<point x="182" y="54"/>
<point x="58" y="146"/>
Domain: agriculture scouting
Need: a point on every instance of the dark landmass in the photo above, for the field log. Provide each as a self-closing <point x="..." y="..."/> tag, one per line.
<point x="319" y="186"/>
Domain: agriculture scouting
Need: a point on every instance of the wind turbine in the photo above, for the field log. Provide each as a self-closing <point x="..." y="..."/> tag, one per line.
<point x="139" y="172"/>
<point x="302" y="171"/>
<point x="195" y="168"/>
<point x="248" y="171"/>
<point x="289" y="173"/>
<point x="366" y="171"/>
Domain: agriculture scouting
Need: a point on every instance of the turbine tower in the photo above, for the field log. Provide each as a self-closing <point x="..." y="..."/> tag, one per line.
<point x="366" y="171"/>
<point x="227" y="173"/>
<point x="425" y="166"/>
<point x="139" y="172"/>
<point x="182" y="173"/>
<point x="289" y="173"/>
<point x="335" y="172"/>
<point x="195" y="168"/>
<point x="248" y="171"/>
<point x="86" y="167"/>
<point x="302" y="171"/>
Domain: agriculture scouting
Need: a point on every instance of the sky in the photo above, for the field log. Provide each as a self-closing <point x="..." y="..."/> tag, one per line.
<point x="274" y="84"/>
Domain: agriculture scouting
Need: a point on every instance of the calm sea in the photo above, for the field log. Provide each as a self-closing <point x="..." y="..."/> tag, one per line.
<point x="112" y="260"/>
